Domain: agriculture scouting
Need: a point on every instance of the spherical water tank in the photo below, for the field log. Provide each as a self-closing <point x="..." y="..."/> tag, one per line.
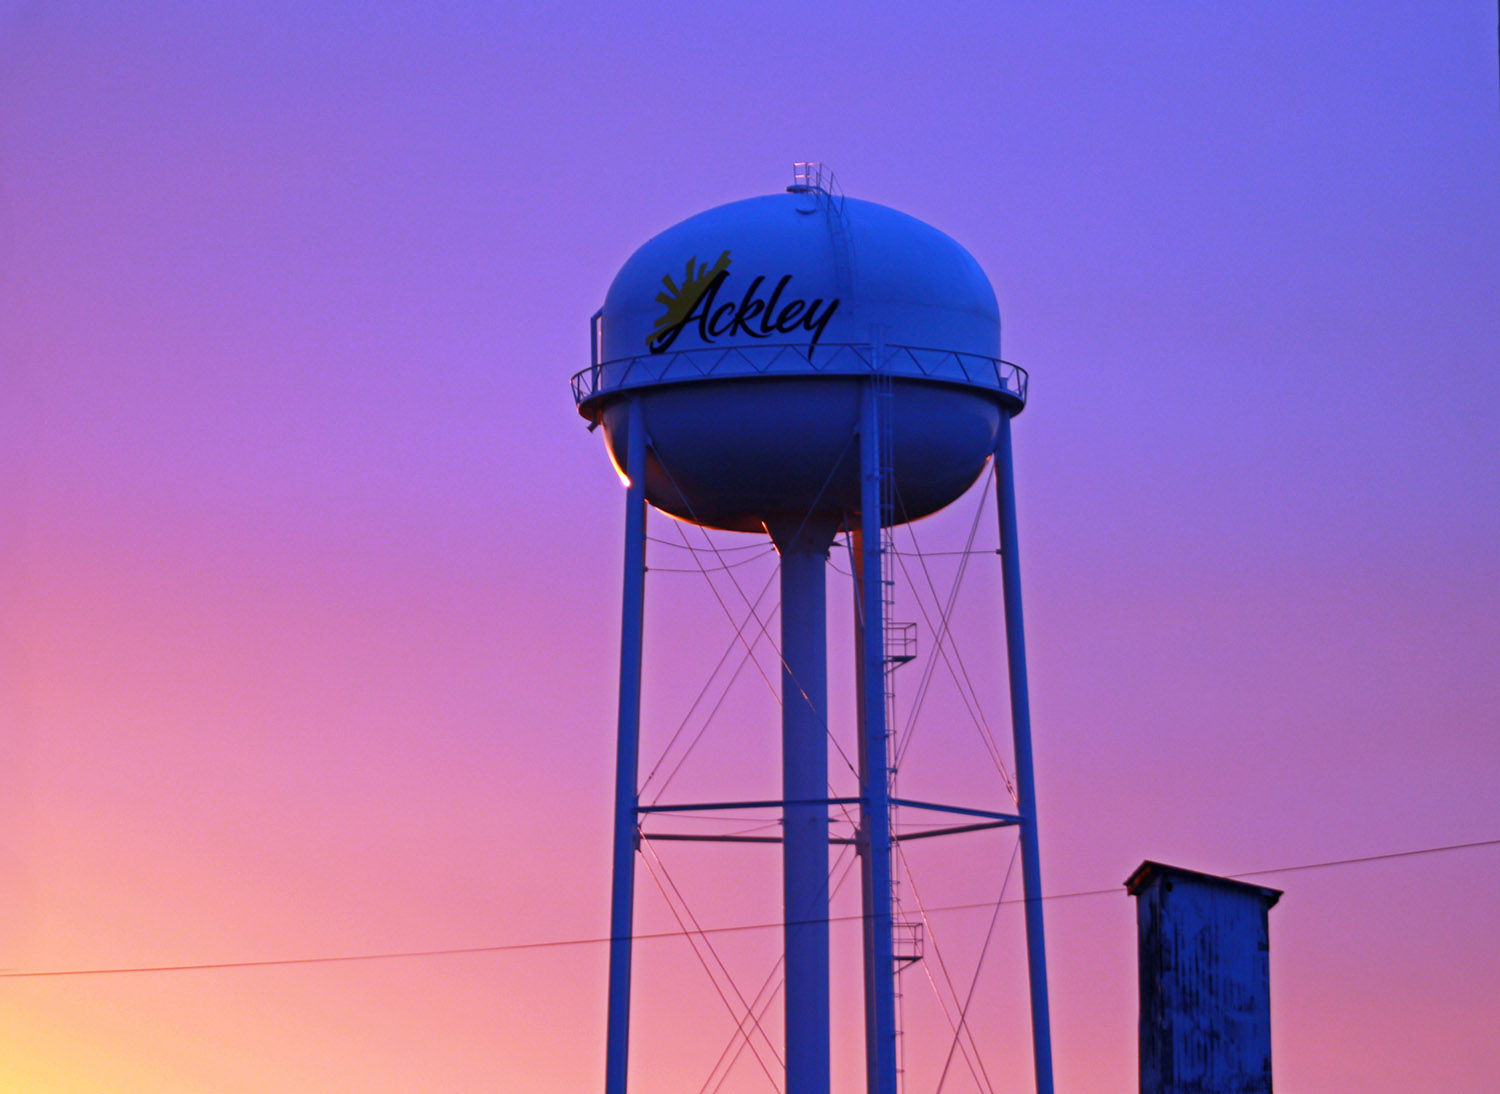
<point x="748" y="331"/>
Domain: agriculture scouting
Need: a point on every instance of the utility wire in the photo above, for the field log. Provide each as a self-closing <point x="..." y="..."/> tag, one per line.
<point x="559" y="943"/>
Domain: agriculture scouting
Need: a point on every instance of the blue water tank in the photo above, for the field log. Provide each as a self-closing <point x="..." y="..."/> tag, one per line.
<point x="747" y="332"/>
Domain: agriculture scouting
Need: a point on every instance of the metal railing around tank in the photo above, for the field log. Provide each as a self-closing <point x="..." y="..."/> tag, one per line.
<point x="713" y="363"/>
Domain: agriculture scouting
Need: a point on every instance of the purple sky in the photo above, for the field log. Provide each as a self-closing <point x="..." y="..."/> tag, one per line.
<point x="309" y="572"/>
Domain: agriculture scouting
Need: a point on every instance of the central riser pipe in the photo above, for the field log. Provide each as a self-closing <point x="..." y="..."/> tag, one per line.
<point x="804" y="782"/>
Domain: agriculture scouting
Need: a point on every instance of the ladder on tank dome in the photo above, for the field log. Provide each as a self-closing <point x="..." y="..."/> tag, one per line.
<point x="812" y="177"/>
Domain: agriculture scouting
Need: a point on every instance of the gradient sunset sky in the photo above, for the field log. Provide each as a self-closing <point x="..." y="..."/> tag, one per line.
<point x="310" y="574"/>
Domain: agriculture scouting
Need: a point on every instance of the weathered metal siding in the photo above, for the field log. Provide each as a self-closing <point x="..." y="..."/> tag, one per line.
<point x="1205" y="1025"/>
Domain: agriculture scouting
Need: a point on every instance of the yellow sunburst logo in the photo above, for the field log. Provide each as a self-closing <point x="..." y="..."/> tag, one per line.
<point x="680" y="300"/>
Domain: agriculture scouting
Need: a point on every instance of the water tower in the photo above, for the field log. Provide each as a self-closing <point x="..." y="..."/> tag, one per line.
<point x="790" y="366"/>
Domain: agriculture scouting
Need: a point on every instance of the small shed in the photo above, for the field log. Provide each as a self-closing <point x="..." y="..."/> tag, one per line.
<point x="1205" y="974"/>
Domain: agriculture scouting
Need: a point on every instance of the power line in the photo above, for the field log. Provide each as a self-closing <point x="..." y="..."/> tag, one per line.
<point x="559" y="943"/>
<point x="1368" y="858"/>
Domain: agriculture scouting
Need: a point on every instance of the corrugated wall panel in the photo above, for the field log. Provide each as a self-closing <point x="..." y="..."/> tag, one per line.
<point x="1205" y="982"/>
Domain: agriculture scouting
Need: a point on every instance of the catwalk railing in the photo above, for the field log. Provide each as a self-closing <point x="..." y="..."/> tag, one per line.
<point x="845" y="359"/>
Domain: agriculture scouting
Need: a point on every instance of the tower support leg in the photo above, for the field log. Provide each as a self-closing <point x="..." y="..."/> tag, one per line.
<point x="804" y="783"/>
<point x="874" y="765"/>
<point x="622" y="897"/>
<point x="1020" y="717"/>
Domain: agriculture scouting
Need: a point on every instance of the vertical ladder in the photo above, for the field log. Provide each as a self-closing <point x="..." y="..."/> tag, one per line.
<point x="900" y="648"/>
<point x="812" y="177"/>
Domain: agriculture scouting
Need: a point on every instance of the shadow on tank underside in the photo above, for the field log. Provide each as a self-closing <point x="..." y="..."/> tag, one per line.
<point x="741" y="454"/>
